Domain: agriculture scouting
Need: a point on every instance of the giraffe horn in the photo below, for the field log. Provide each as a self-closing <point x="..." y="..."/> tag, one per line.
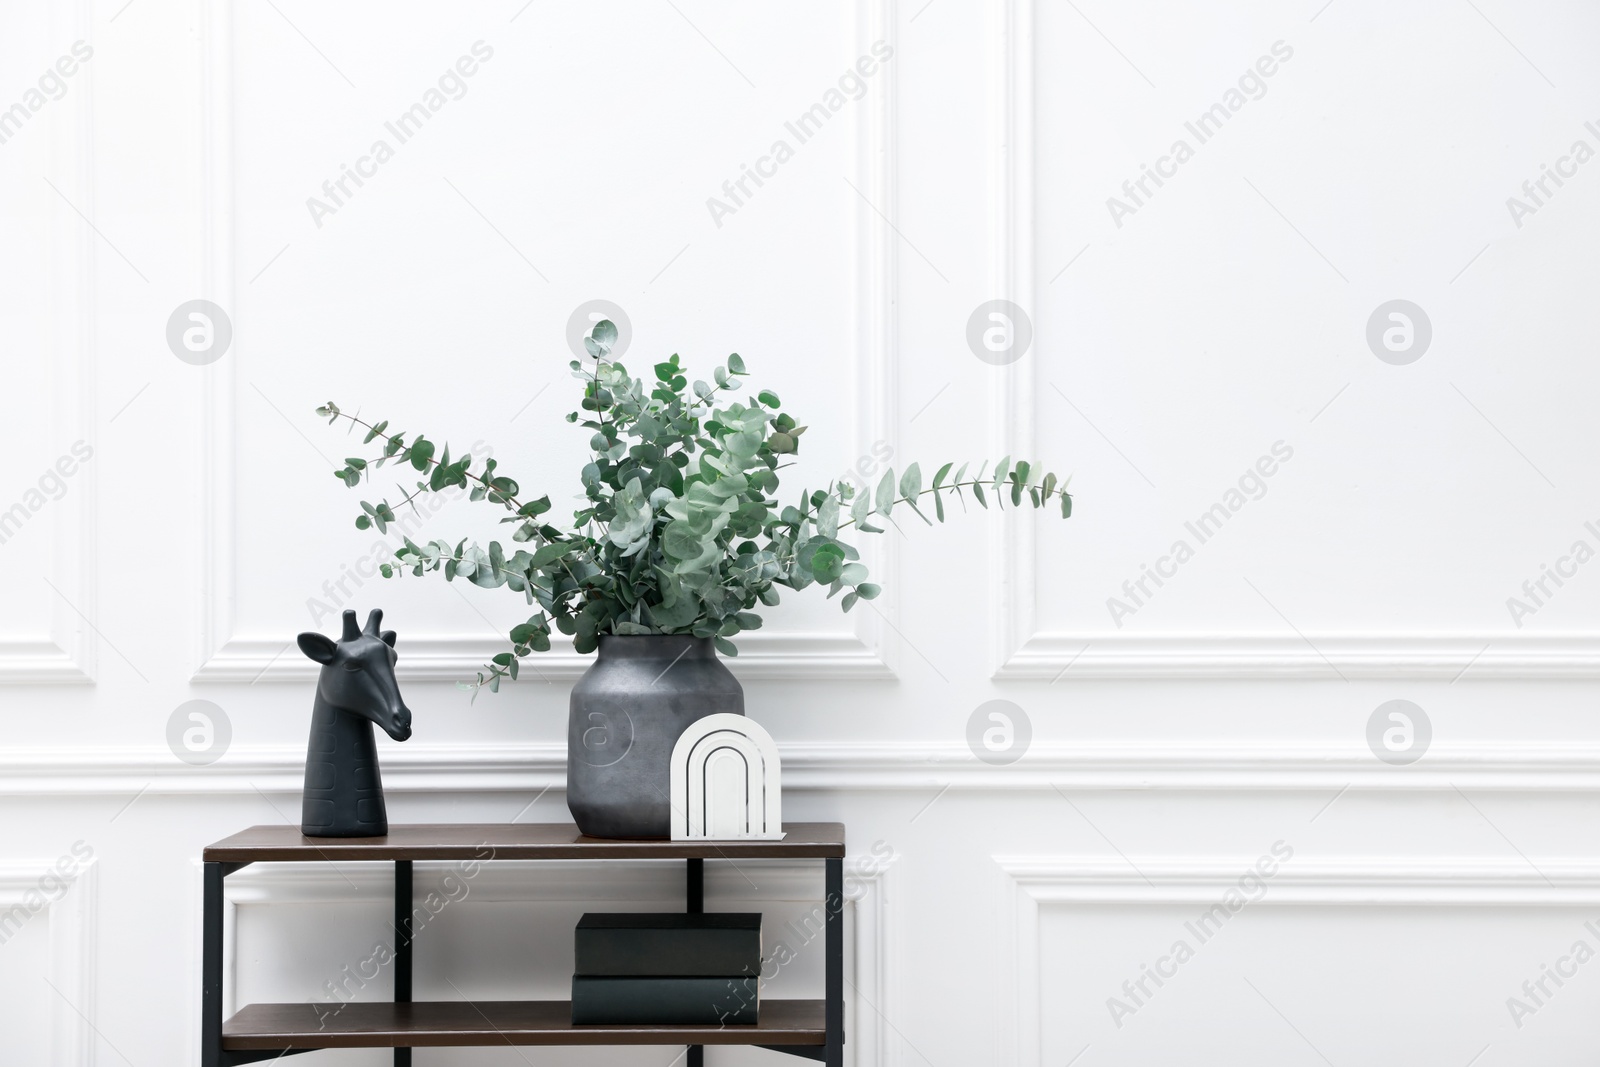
<point x="351" y="632"/>
<point x="374" y="620"/>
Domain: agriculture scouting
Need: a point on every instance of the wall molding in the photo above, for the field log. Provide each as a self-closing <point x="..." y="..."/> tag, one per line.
<point x="457" y="658"/>
<point x="924" y="768"/>
<point x="1020" y="650"/>
<point x="67" y="655"/>
<point x="1463" y="881"/>
<point x="214" y="468"/>
<point x="71" y="967"/>
<point x="1321" y="656"/>
<point x="48" y="660"/>
<point x="1049" y="657"/>
<point x="1011" y="277"/>
<point x="859" y="651"/>
<point x="867" y="914"/>
<point x="875" y="321"/>
<point x="1029" y="883"/>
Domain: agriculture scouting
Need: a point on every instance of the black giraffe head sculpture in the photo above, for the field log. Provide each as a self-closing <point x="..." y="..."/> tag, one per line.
<point x="344" y="792"/>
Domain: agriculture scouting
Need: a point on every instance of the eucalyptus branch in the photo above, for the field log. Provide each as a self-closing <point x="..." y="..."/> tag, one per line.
<point x="705" y="401"/>
<point x="660" y="548"/>
<point x="404" y="452"/>
<point x="1058" y="491"/>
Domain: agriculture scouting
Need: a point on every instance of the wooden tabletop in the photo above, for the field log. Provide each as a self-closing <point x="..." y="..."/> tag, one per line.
<point x="512" y="841"/>
<point x="363" y="1024"/>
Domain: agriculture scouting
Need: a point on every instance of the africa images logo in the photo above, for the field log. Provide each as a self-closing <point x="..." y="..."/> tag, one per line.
<point x="809" y="123"/>
<point x="451" y="85"/>
<point x="1251" y="85"/>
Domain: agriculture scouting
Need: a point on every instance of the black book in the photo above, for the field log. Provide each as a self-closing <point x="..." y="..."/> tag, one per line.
<point x="696" y="1001"/>
<point x="674" y="944"/>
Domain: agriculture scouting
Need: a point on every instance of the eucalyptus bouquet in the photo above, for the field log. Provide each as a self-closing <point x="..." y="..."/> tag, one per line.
<point x="683" y="532"/>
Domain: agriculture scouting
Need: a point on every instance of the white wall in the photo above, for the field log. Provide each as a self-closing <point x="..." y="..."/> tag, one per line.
<point x="1175" y="741"/>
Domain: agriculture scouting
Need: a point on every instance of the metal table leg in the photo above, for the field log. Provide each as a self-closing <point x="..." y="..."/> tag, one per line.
<point x="211" y="970"/>
<point x="833" y="987"/>
<point x="402" y="946"/>
<point x="696" y="901"/>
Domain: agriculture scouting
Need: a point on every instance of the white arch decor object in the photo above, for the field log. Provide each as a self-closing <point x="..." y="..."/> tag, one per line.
<point x="727" y="783"/>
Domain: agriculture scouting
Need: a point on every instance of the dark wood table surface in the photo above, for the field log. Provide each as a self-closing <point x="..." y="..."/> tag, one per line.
<point x="512" y="841"/>
<point x="487" y="1022"/>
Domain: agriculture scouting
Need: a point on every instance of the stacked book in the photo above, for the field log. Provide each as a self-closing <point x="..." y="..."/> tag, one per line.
<point x="671" y="968"/>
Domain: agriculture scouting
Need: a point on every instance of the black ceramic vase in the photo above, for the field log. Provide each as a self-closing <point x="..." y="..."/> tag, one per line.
<point x="626" y="714"/>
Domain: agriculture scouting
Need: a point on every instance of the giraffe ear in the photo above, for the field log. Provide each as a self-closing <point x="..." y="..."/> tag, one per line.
<point x="319" y="647"/>
<point x="387" y="637"/>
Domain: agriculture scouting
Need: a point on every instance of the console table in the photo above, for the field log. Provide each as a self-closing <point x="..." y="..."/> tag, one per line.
<point x="813" y="1029"/>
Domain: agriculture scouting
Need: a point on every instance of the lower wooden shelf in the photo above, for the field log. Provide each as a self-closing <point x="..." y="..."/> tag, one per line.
<point x="495" y="1022"/>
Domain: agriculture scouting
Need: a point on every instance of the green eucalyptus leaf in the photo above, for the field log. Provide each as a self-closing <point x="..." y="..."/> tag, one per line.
<point x="680" y="540"/>
<point x="547" y="554"/>
<point x="828" y="516"/>
<point x="860" y="508"/>
<point x="827" y="564"/>
<point x="884" y="497"/>
<point x="911" y="482"/>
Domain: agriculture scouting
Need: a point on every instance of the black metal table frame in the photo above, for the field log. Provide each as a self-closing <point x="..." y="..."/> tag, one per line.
<point x="212" y="1054"/>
